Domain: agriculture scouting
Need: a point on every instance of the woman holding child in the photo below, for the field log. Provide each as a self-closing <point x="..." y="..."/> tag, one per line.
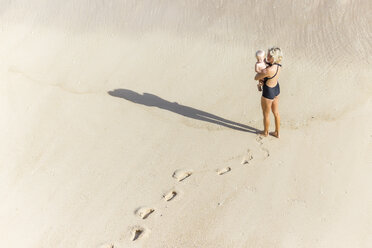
<point x="268" y="75"/>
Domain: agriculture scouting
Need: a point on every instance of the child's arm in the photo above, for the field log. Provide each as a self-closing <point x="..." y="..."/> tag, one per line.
<point x="256" y="68"/>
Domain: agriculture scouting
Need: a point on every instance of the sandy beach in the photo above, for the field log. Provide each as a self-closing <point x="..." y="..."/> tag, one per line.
<point x="134" y="124"/>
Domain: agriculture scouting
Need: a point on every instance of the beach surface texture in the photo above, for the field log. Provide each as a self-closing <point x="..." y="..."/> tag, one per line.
<point x="134" y="124"/>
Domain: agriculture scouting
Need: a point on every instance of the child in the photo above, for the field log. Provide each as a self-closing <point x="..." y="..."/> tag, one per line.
<point x="260" y="65"/>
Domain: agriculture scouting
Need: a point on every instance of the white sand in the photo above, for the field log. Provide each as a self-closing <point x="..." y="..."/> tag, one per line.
<point x="106" y="106"/>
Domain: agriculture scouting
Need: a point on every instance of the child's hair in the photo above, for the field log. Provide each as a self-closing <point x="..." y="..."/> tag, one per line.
<point x="260" y="53"/>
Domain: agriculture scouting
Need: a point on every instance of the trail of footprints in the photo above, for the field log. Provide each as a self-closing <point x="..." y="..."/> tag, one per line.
<point x="137" y="232"/>
<point x="179" y="175"/>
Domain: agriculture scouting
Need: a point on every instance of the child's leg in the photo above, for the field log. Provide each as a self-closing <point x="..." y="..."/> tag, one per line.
<point x="259" y="85"/>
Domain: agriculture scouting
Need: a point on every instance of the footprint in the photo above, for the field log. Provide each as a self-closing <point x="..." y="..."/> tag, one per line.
<point x="181" y="175"/>
<point x="144" y="212"/>
<point x="259" y="139"/>
<point x="137" y="232"/>
<point x="248" y="157"/>
<point x="170" y="195"/>
<point x="266" y="152"/>
<point x="223" y="170"/>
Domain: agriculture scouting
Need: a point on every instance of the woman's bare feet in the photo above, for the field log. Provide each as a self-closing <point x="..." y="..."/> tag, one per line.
<point x="275" y="134"/>
<point x="264" y="133"/>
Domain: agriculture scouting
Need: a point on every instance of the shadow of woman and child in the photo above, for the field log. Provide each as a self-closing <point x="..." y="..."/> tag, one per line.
<point x="155" y="101"/>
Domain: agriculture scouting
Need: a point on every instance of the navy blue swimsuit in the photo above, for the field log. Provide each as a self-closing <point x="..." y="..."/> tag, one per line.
<point x="271" y="92"/>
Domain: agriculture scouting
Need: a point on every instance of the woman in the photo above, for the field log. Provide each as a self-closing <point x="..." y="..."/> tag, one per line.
<point x="270" y="89"/>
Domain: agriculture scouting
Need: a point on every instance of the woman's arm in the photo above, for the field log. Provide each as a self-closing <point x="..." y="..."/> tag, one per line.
<point x="262" y="75"/>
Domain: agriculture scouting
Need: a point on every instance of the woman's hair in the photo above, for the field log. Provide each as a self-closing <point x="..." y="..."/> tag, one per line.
<point x="276" y="53"/>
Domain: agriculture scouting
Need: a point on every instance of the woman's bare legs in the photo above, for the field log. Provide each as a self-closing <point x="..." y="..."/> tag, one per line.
<point x="275" y="110"/>
<point x="266" y="106"/>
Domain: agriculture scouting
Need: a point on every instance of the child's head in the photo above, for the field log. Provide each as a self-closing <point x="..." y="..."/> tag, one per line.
<point x="260" y="55"/>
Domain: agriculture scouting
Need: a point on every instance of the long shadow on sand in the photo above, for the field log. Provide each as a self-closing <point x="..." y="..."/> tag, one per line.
<point x="155" y="101"/>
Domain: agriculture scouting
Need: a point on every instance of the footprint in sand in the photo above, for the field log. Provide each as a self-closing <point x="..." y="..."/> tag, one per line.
<point x="259" y="140"/>
<point x="247" y="157"/>
<point x="266" y="151"/>
<point x="181" y="175"/>
<point x="137" y="232"/>
<point x="144" y="212"/>
<point x="223" y="170"/>
<point x="170" y="195"/>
